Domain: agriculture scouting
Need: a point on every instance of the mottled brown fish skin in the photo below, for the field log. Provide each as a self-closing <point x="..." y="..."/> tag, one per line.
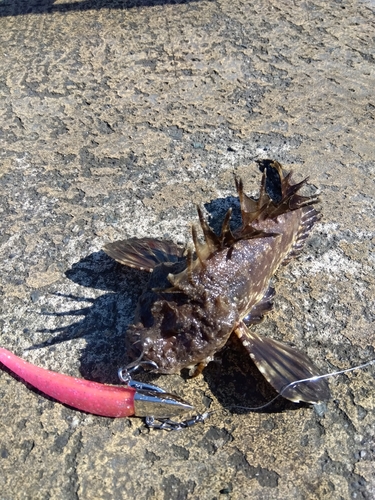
<point x="227" y="280"/>
<point x="242" y="273"/>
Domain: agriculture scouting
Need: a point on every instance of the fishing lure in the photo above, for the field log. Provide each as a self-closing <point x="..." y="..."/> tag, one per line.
<point x="195" y="301"/>
<point x="136" y="399"/>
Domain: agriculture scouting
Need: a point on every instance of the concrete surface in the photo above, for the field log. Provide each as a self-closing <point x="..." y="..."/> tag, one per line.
<point x="116" y="119"/>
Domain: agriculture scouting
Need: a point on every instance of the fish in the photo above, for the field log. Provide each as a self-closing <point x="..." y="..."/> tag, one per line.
<point x="197" y="298"/>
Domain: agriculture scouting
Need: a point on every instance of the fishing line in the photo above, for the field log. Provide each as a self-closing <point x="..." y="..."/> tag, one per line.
<point x="310" y="379"/>
<point x="170" y="425"/>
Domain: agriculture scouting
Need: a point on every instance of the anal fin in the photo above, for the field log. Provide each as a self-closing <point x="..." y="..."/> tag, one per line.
<point x="256" y="315"/>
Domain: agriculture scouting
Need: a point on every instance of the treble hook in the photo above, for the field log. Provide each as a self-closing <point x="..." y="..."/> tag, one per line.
<point x="125" y="374"/>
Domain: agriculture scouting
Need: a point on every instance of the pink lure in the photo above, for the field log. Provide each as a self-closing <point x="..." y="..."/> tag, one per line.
<point x="91" y="397"/>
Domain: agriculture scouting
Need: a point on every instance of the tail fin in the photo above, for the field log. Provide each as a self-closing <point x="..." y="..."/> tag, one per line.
<point x="277" y="195"/>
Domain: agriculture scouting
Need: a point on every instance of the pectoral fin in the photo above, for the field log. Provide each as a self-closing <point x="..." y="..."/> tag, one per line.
<point x="144" y="253"/>
<point x="282" y="365"/>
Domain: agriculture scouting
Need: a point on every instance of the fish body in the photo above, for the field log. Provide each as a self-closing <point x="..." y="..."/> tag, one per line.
<point x="224" y="287"/>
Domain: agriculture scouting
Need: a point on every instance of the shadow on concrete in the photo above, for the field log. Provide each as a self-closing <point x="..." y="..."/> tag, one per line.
<point x="23" y="7"/>
<point x="239" y="386"/>
<point x="102" y="321"/>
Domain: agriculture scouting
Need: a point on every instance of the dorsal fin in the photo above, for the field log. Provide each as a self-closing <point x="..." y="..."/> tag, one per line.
<point x="212" y="240"/>
<point x="277" y="196"/>
<point x="250" y="209"/>
<point x="226" y="236"/>
<point x="308" y="219"/>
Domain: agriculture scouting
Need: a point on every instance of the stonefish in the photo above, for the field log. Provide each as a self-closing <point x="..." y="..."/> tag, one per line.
<point x="195" y="300"/>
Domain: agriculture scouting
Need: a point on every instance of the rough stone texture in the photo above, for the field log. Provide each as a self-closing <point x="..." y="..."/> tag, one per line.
<point x="116" y="119"/>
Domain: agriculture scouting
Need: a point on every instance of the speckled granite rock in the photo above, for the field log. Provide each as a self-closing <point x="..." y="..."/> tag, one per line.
<point x="116" y="119"/>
